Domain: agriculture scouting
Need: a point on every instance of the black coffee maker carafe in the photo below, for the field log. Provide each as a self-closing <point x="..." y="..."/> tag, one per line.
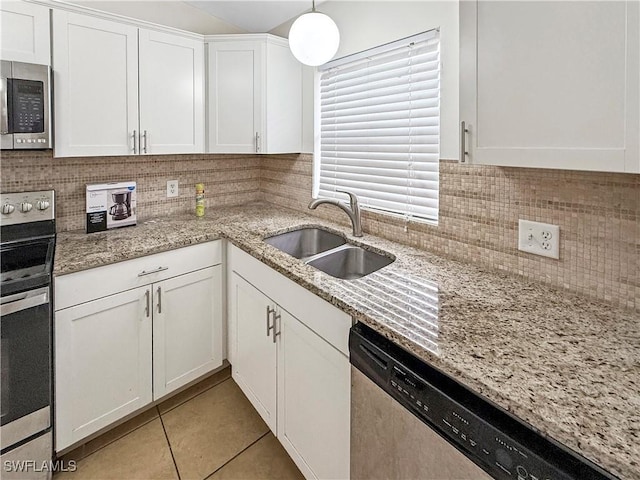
<point x="122" y="205"/>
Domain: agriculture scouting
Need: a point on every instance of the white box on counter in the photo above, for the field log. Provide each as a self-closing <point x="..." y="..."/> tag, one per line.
<point x="110" y="205"/>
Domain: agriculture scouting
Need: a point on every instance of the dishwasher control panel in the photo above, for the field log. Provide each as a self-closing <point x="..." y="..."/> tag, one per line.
<point x="502" y="445"/>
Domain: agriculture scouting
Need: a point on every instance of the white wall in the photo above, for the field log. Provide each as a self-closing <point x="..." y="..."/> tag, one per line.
<point x="366" y="24"/>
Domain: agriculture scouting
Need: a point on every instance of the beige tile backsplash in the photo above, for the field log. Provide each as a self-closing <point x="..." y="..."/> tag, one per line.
<point x="598" y="213"/>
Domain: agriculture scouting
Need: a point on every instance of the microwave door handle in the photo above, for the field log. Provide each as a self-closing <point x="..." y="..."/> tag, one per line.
<point x="4" y="118"/>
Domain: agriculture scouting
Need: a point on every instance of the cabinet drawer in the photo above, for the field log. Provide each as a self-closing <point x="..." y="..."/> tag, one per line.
<point x="94" y="283"/>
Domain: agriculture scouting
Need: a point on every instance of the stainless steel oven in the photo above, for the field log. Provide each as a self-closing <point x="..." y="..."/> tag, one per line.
<point x="25" y="98"/>
<point x="26" y="254"/>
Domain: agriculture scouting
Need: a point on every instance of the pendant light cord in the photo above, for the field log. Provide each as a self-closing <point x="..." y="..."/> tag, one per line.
<point x="313" y="5"/>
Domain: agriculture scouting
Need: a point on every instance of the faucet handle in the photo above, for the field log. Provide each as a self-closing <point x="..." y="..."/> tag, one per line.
<point x="353" y="198"/>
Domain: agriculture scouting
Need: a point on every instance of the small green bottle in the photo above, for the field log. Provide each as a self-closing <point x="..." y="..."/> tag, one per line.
<point x="199" y="199"/>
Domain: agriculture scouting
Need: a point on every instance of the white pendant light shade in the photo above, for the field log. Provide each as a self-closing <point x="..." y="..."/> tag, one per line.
<point x="314" y="38"/>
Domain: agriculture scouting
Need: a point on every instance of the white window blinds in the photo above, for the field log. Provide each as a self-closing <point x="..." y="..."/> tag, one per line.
<point x="379" y="127"/>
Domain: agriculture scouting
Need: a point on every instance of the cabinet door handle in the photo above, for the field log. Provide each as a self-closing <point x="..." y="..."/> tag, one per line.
<point x="276" y="318"/>
<point x="159" y="269"/>
<point x="463" y="142"/>
<point x="144" y="135"/>
<point x="257" y="142"/>
<point x="269" y="312"/>
<point x="135" y="142"/>
<point x="159" y="300"/>
<point x="148" y="298"/>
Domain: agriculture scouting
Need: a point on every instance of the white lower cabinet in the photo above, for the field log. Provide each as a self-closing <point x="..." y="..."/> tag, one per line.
<point x="289" y="354"/>
<point x="117" y="352"/>
<point x="254" y="366"/>
<point x="102" y="363"/>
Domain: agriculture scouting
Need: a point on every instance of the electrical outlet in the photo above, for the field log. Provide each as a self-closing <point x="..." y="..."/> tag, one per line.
<point x="539" y="238"/>
<point x="172" y="188"/>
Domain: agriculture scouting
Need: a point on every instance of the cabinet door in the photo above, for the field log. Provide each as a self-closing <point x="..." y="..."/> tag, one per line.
<point x="551" y="84"/>
<point x="171" y="93"/>
<point x="24" y="32"/>
<point x="254" y="367"/>
<point x="282" y="130"/>
<point x="187" y="328"/>
<point x="235" y="97"/>
<point x="102" y="363"/>
<point x="95" y="68"/>
<point x="313" y="401"/>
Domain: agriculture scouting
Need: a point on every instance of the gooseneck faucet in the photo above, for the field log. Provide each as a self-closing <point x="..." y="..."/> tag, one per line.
<point x="353" y="210"/>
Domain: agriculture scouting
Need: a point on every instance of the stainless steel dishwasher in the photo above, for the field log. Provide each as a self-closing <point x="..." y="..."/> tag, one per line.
<point x="411" y="421"/>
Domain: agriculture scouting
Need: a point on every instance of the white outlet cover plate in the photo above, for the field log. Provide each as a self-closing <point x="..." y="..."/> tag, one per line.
<point x="172" y="188"/>
<point x="531" y="238"/>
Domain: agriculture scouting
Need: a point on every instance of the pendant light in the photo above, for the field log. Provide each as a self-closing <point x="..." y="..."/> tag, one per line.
<point x="314" y="38"/>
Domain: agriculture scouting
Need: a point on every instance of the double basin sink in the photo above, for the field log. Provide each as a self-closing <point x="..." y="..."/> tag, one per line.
<point x="329" y="252"/>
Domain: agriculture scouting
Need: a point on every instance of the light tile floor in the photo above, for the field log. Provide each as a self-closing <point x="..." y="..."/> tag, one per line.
<point x="209" y="431"/>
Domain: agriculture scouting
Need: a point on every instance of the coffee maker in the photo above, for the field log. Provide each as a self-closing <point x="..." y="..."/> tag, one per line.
<point x="121" y="209"/>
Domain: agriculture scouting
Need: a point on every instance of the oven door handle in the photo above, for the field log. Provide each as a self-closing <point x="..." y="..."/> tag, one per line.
<point x="22" y="301"/>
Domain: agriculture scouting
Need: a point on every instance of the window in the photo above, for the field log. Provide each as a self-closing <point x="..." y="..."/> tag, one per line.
<point x="378" y="127"/>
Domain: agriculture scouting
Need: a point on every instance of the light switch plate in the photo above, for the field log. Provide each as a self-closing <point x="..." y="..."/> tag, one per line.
<point x="539" y="238"/>
<point x="172" y="188"/>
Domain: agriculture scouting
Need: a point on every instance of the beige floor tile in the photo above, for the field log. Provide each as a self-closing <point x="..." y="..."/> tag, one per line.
<point x="210" y="429"/>
<point x="196" y="389"/>
<point x="264" y="460"/>
<point x="141" y="455"/>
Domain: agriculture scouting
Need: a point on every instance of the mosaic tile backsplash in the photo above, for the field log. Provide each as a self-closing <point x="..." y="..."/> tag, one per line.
<point x="598" y="213"/>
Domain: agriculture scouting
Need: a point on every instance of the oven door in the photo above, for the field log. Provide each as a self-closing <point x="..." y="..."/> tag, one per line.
<point x="25" y="363"/>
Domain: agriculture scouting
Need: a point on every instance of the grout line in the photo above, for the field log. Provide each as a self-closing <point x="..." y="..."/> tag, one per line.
<point x="175" y="465"/>
<point x="238" y="454"/>
<point x="191" y="398"/>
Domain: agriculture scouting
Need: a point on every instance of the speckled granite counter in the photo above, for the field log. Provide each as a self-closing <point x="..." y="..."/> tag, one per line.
<point x="568" y="366"/>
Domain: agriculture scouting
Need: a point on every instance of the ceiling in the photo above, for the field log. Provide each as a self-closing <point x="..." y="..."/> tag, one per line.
<point x="254" y="16"/>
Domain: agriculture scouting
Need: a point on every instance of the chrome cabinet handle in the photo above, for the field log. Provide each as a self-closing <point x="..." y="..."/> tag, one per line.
<point x="159" y="300"/>
<point x="269" y="312"/>
<point x="159" y="269"/>
<point x="276" y="317"/>
<point x="463" y="144"/>
<point x="135" y="142"/>
<point x="144" y="135"/>
<point x="148" y="297"/>
<point x="257" y="142"/>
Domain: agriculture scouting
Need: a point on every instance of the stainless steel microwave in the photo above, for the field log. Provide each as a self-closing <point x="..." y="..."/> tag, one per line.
<point x="26" y="106"/>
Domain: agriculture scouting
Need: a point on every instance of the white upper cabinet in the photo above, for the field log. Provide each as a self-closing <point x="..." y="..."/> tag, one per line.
<point x="95" y="71"/>
<point x="254" y="95"/>
<point x="551" y="84"/>
<point x="24" y="32"/>
<point x="171" y="93"/>
<point x="120" y="90"/>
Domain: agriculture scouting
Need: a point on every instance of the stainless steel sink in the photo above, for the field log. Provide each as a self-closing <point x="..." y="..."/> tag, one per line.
<point x="350" y="262"/>
<point x="306" y="242"/>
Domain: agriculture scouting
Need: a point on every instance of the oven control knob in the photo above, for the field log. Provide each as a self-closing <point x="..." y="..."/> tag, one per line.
<point x="8" y="209"/>
<point x="42" y="205"/>
<point x="25" y="207"/>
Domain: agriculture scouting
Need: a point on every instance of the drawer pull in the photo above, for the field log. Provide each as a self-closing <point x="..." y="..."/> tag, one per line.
<point x="159" y="269"/>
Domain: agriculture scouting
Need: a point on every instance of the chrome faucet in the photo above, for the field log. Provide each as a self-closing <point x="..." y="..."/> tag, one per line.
<point x="353" y="210"/>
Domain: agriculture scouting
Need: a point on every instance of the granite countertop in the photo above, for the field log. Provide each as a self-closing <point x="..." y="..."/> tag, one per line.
<point x="568" y="366"/>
